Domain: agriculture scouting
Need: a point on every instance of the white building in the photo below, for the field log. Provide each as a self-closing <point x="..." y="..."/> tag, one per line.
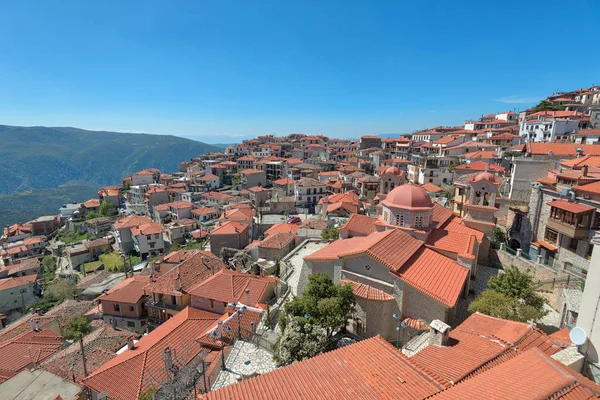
<point x="308" y="192"/>
<point x="547" y="130"/>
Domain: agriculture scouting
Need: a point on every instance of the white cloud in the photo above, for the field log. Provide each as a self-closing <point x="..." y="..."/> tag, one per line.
<point x="517" y="99"/>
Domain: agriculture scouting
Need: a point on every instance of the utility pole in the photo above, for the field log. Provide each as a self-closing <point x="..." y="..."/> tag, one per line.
<point x="83" y="356"/>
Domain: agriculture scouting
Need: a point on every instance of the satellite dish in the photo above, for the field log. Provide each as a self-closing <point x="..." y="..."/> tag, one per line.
<point x="577" y="336"/>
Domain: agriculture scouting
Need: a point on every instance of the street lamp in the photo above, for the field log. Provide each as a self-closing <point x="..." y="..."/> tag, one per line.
<point x="220" y="335"/>
<point x="397" y="319"/>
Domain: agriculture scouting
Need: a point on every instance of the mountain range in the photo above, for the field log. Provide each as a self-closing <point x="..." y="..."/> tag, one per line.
<point x="38" y="164"/>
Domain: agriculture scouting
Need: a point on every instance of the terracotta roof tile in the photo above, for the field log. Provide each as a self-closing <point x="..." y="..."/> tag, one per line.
<point x="367" y="292"/>
<point x="100" y="347"/>
<point x="590" y="188"/>
<point x="277" y="240"/>
<point x="131" y="290"/>
<point x="230" y="286"/>
<point x="359" y="225"/>
<point x="135" y="371"/>
<point x="27" y="348"/>
<point x="540" y="378"/>
<point x="132" y="221"/>
<point x="570" y="207"/>
<point x="565" y="149"/>
<point x="362" y="371"/>
<point x="191" y="272"/>
<point x="282" y="228"/>
<point x="229" y="228"/>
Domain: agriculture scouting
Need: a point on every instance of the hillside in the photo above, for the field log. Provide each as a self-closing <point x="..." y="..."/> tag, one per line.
<point x="25" y="206"/>
<point x="41" y="157"/>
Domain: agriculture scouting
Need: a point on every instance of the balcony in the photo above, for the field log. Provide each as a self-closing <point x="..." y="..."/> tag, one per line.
<point x="568" y="229"/>
<point x="162" y="305"/>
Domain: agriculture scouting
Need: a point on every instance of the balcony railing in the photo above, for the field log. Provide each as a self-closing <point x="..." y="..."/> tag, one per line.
<point x="568" y="229"/>
<point x="162" y="304"/>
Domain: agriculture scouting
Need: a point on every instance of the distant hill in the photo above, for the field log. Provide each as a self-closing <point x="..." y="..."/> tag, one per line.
<point x="25" y="206"/>
<point x="42" y="158"/>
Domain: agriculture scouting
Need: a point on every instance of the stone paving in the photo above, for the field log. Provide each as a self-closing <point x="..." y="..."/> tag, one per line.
<point x="244" y="361"/>
<point x="478" y="285"/>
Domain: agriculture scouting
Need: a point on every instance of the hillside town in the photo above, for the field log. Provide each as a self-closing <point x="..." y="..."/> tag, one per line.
<point x="304" y="266"/>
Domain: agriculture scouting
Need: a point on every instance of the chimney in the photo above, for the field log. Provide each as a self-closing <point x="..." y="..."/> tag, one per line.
<point x="247" y="297"/>
<point x="177" y="283"/>
<point x="167" y="359"/>
<point x="438" y="333"/>
<point x="584" y="170"/>
<point x="130" y="342"/>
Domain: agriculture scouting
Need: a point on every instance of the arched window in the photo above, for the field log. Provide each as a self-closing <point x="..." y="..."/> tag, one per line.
<point x="392" y="186"/>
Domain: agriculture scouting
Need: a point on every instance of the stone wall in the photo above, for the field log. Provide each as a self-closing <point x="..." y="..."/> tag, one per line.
<point x="539" y="272"/>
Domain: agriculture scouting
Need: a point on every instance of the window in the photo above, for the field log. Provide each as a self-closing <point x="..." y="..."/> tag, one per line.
<point x="224" y="304"/>
<point x="130" y="308"/>
<point x="151" y="245"/>
<point x="573" y="244"/>
<point x="551" y="236"/>
<point x="431" y="181"/>
<point x="130" y="324"/>
<point x="445" y="180"/>
<point x="212" y="303"/>
<point x="117" y="307"/>
<point x="148" y="237"/>
<point x="299" y="197"/>
<point x="156" y="236"/>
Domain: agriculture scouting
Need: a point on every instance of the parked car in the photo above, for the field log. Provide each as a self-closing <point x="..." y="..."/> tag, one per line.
<point x="294" y="220"/>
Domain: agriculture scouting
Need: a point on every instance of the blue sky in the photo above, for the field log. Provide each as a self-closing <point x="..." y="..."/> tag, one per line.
<point x="220" y="71"/>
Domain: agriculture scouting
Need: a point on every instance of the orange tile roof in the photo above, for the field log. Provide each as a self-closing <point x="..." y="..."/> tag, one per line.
<point x="217" y="195"/>
<point x="359" y="225"/>
<point x="135" y="371"/>
<point x="132" y="221"/>
<point x="367" y="292"/>
<point x="230" y="228"/>
<point x="480" y="166"/>
<point x="431" y="188"/>
<point x="191" y="272"/>
<point x="204" y="211"/>
<point x="540" y="377"/>
<point x="565" y="149"/>
<point x="453" y="242"/>
<point x="283" y="227"/>
<point x="180" y="255"/>
<point x="251" y="171"/>
<point x="481" y="343"/>
<point x="27" y="348"/>
<point x="455" y="225"/>
<point x="152" y="228"/>
<point x="100" y="347"/>
<point x="9" y="283"/>
<point x="590" y="188"/>
<point x="277" y="241"/>
<point x="92" y="203"/>
<point x="283" y="181"/>
<point x="230" y="286"/>
<point x="590" y="161"/>
<point x="131" y="290"/>
<point x="570" y="207"/>
<point x="435" y="275"/>
<point x="361" y="371"/>
<point x="487" y="154"/>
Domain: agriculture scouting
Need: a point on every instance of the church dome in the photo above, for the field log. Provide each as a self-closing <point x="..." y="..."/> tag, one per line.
<point x="393" y="171"/>
<point x="408" y="197"/>
<point x="485" y="175"/>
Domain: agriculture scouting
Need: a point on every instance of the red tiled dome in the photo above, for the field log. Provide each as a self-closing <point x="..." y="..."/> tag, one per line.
<point x="393" y="171"/>
<point x="408" y="196"/>
<point x="485" y="175"/>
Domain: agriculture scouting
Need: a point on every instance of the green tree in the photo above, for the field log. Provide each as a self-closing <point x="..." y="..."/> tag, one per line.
<point x="546" y="105"/>
<point x="127" y="185"/>
<point x="498" y="305"/>
<point x="78" y="326"/>
<point x="299" y="343"/>
<point x="516" y="284"/>
<point x="510" y="295"/>
<point x="330" y="234"/>
<point x="49" y="264"/>
<point x="148" y="394"/>
<point x="62" y="289"/>
<point x="499" y="235"/>
<point x="91" y="215"/>
<point x="107" y="209"/>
